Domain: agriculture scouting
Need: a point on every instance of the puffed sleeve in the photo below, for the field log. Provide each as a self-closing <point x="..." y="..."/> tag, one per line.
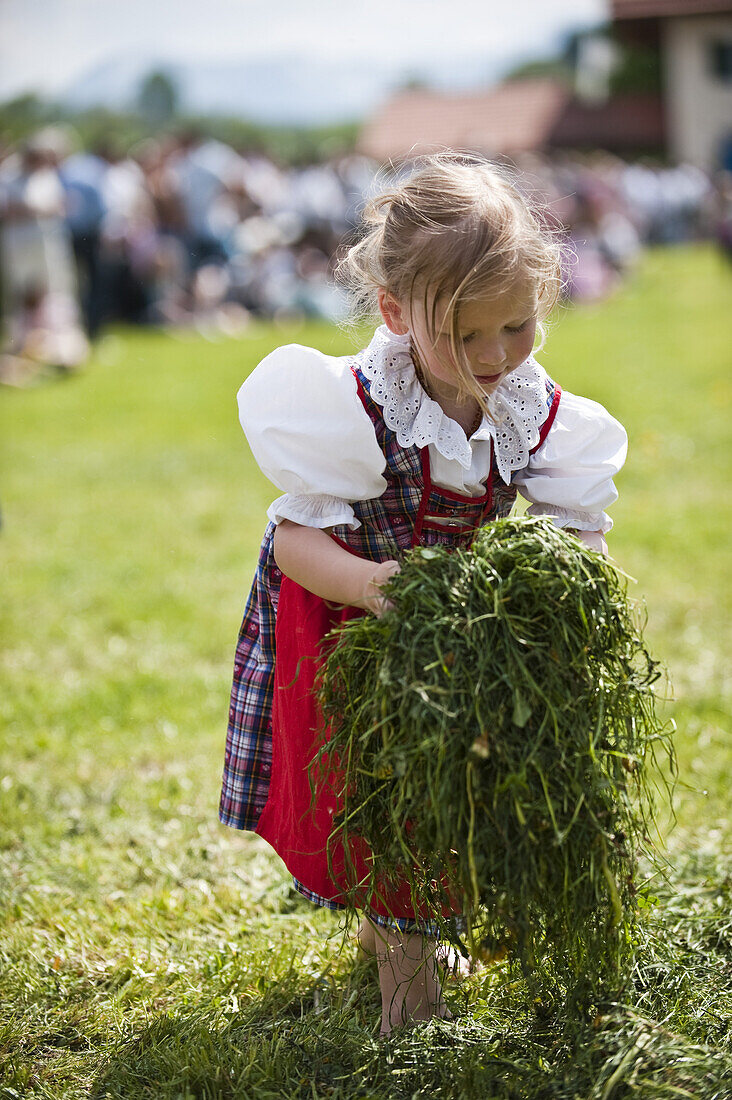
<point x="570" y="476"/>
<point x="311" y="436"/>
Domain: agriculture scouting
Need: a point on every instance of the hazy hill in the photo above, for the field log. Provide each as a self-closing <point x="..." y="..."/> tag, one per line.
<point x="285" y="89"/>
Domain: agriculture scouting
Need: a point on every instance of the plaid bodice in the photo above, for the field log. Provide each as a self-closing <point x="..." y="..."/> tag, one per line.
<point x="412" y="511"/>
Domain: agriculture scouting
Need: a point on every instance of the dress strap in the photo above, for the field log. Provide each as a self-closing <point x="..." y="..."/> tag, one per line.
<point x="373" y="411"/>
<point x="544" y="431"/>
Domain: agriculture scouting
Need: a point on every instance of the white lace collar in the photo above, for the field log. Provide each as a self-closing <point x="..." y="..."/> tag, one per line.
<point x="518" y="407"/>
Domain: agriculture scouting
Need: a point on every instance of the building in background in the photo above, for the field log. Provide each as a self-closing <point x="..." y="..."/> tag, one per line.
<point x="657" y="81"/>
<point x="694" y="41"/>
<point x="524" y="115"/>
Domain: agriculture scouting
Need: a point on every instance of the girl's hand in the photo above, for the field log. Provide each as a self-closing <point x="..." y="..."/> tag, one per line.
<point x="594" y="539"/>
<point x="373" y="598"/>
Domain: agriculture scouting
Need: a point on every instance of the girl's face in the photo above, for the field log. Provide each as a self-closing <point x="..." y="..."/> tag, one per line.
<point x="496" y="333"/>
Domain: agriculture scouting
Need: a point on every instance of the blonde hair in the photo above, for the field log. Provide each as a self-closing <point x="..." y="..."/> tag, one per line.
<point x="454" y="230"/>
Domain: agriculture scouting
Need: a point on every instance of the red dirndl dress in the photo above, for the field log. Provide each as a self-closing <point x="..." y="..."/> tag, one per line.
<point x="275" y="730"/>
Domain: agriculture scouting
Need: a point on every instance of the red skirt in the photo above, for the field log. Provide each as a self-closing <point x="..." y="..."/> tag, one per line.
<point x="298" y="817"/>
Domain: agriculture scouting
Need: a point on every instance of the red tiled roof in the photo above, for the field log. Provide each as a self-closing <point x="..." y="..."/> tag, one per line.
<point x="651" y="9"/>
<point x="513" y="117"/>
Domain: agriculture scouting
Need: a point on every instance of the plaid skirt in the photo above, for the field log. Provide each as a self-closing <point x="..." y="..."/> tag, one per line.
<point x="248" y="758"/>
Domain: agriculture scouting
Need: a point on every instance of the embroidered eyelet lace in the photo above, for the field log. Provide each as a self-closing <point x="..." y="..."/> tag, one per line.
<point x="518" y="407"/>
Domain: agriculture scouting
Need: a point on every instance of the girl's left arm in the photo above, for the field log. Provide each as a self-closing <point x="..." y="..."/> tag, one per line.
<point x="594" y="539"/>
<point x="570" y="475"/>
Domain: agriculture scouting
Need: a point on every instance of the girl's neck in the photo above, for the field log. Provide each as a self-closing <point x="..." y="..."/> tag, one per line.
<point x="467" y="414"/>
<point x="464" y="411"/>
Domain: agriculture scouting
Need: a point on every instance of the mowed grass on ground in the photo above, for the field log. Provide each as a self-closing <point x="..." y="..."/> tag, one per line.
<point x="145" y="951"/>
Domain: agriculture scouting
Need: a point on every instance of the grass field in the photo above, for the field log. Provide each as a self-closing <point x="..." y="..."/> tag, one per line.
<point x="145" y="951"/>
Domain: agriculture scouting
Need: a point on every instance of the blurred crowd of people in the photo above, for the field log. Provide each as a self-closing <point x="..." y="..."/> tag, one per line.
<point x="187" y="231"/>
<point x="610" y="209"/>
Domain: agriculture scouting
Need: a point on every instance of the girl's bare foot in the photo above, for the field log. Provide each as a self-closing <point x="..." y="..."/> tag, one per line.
<point x="408" y="977"/>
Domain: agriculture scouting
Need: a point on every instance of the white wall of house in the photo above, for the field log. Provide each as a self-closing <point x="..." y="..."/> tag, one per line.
<point x="699" y="102"/>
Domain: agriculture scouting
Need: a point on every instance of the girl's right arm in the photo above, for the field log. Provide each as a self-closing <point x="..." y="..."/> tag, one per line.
<point x="310" y="557"/>
<point x="312" y="437"/>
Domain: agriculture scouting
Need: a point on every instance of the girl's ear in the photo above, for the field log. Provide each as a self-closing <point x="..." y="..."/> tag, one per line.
<point x="392" y="312"/>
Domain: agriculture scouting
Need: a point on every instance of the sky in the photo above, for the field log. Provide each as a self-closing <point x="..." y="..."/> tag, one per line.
<point x="47" y="44"/>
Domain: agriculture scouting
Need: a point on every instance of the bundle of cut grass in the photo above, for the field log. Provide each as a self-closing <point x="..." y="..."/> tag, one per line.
<point x="495" y="730"/>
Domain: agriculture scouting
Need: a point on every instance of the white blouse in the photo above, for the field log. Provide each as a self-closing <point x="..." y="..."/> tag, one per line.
<point x="312" y="437"/>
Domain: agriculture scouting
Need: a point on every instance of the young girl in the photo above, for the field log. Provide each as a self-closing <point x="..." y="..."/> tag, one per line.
<point x="421" y="438"/>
